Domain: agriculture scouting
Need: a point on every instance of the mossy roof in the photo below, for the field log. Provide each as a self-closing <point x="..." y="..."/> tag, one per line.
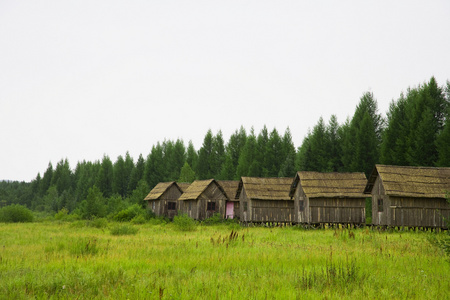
<point x="406" y="181"/>
<point x="257" y="188"/>
<point x="160" y="189"/>
<point x="330" y="185"/>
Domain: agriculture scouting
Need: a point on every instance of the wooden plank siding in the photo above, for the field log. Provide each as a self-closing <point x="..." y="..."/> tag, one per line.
<point x="265" y="200"/>
<point x="161" y="195"/>
<point x="397" y="200"/>
<point x="329" y="198"/>
<point x="194" y="202"/>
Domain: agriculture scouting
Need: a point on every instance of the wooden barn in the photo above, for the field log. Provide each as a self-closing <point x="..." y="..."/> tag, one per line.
<point x="329" y="197"/>
<point x="265" y="200"/>
<point x="163" y="199"/>
<point x="409" y="196"/>
<point x="232" y="206"/>
<point x="202" y="199"/>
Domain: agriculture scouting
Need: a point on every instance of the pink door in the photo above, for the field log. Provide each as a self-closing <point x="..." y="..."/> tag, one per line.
<point x="230" y="210"/>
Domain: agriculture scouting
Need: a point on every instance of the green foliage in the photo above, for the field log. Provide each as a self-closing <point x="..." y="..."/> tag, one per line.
<point x="15" y="213"/>
<point x="184" y="223"/>
<point x="94" y="205"/>
<point x="214" y="220"/>
<point x="124" y="230"/>
<point x="105" y="177"/>
<point x="139" y="193"/>
<point x="129" y="213"/>
<point x="62" y="214"/>
<point x="186" y="174"/>
<point x="139" y="219"/>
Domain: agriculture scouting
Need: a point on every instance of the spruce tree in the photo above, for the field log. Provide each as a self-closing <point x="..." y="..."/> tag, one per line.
<point x="105" y="177"/>
<point x="186" y="174"/>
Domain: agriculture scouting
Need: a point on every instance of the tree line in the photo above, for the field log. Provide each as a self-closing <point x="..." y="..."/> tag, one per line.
<point x="416" y="131"/>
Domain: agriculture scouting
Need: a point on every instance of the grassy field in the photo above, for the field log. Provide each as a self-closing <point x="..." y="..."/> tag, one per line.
<point x="70" y="260"/>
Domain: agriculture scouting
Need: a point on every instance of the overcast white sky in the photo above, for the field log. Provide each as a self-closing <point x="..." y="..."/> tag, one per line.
<point x="79" y="79"/>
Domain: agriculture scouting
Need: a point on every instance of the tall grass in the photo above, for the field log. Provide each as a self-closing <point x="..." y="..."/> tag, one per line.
<point x="56" y="260"/>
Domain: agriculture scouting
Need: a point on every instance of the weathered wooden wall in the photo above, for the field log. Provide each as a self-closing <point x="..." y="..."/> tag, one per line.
<point x="272" y="211"/>
<point x="418" y="212"/>
<point x="337" y="210"/>
<point x="211" y="194"/>
<point x="408" y="211"/>
<point x="301" y="216"/>
<point x="161" y="205"/>
<point x="244" y="207"/>
<point x="378" y="192"/>
<point x="190" y="208"/>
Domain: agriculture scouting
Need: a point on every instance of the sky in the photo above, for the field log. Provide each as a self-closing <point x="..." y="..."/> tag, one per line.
<point x="83" y="79"/>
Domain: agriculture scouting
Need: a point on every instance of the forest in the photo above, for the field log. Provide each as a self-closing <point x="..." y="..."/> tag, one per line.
<point x="415" y="132"/>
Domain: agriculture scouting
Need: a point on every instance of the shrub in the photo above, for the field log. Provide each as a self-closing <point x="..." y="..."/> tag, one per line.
<point x="15" y="213"/>
<point x="139" y="219"/>
<point x="184" y="223"/>
<point x="129" y="213"/>
<point x="214" y="220"/>
<point x="124" y="230"/>
<point x="62" y="214"/>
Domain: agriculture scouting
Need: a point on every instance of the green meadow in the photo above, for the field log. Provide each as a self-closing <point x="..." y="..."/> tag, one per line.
<point x="65" y="260"/>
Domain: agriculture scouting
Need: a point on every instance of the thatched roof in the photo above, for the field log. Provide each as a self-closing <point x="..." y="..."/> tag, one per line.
<point x="183" y="185"/>
<point x="196" y="188"/>
<point x="160" y="189"/>
<point x="330" y="185"/>
<point x="230" y="187"/>
<point x="265" y="188"/>
<point x="422" y="182"/>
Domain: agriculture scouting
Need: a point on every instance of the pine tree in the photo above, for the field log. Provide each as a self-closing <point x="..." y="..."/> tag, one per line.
<point x="274" y="155"/>
<point x="233" y="151"/>
<point x="217" y="158"/>
<point x="191" y="156"/>
<point x="334" y="144"/>
<point x="443" y="146"/>
<point x="355" y="142"/>
<point x="261" y="162"/>
<point x="395" y="139"/>
<point x="46" y="180"/>
<point x="62" y="176"/>
<point x="94" y="205"/>
<point x="105" y="177"/>
<point x="204" y="157"/>
<point x="154" y="167"/>
<point x="137" y="174"/>
<point x="248" y="164"/>
<point x="186" y="174"/>
<point x="120" y="180"/>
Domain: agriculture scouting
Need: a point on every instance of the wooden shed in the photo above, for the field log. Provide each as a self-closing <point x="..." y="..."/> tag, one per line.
<point x="409" y="196"/>
<point x="232" y="205"/>
<point x="329" y="197"/>
<point x="163" y="199"/>
<point x="265" y="200"/>
<point x="202" y="199"/>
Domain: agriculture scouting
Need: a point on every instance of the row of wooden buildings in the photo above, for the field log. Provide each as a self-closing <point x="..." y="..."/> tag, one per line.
<point x="401" y="196"/>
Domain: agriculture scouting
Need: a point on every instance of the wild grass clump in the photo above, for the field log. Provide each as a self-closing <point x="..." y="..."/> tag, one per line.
<point x="441" y="241"/>
<point x="16" y="213"/>
<point x="334" y="275"/>
<point x="84" y="246"/>
<point x="99" y="223"/>
<point x="228" y="240"/>
<point x="184" y="223"/>
<point x="124" y="230"/>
